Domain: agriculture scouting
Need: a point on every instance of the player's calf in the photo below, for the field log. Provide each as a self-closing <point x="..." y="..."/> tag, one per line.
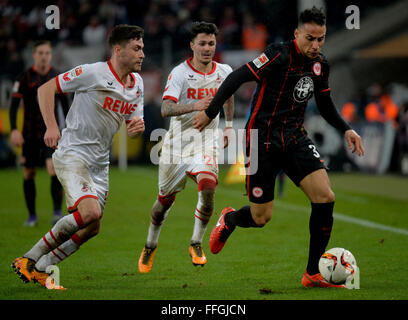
<point x="161" y="208"/>
<point x="61" y="232"/>
<point x="204" y="209"/>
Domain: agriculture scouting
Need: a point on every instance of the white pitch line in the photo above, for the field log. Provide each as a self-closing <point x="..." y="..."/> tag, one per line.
<point x="346" y="218"/>
<point x="336" y="215"/>
<point x="295" y="207"/>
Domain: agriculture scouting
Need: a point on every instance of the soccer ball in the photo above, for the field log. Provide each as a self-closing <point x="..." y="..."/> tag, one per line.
<point x="337" y="265"/>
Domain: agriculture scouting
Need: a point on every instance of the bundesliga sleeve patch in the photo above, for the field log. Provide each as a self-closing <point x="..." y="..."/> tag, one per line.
<point x="261" y="60"/>
<point x="74" y="73"/>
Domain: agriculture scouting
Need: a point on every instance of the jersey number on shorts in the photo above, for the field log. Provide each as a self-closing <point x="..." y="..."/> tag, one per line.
<point x="209" y="161"/>
<point x="315" y="153"/>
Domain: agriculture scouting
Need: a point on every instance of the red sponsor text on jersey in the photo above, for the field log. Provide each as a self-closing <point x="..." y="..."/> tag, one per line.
<point x="200" y="93"/>
<point x="119" y="106"/>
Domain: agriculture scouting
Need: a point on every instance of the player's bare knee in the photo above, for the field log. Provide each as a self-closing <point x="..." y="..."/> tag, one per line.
<point x="166" y="201"/>
<point x="91" y="215"/>
<point x="326" y="197"/>
<point x="29" y="173"/>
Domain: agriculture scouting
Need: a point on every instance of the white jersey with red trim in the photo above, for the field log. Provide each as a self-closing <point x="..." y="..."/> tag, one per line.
<point x="101" y="103"/>
<point x="186" y="85"/>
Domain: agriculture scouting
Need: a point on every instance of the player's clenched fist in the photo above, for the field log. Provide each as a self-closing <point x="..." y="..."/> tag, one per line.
<point x="51" y="137"/>
<point x="135" y="127"/>
<point x="203" y="103"/>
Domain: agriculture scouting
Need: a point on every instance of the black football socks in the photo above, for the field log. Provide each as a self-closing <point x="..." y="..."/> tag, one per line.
<point x="29" y="196"/>
<point x="241" y="218"/>
<point x="56" y="193"/>
<point x="320" y="226"/>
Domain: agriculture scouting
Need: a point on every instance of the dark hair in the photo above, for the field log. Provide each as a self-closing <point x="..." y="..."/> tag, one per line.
<point x="40" y="43"/>
<point x="314" y="15"/>
<point x="122" y="33"/>
<point x="202" y="27"/>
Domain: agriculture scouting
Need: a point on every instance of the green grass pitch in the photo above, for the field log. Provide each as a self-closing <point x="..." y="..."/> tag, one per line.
<point x="371" y="220"/>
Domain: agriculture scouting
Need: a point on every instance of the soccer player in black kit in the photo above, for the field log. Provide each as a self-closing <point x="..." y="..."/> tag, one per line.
<point x="31" y="139"/>
<point x="288" y="74"/>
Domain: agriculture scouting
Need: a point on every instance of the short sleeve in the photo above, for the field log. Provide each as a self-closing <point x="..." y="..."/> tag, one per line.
<point x="139" y="110"/>
<point x="266" y="63"/>
<point x="80" y="78"/>
<point x="174" y="86"/>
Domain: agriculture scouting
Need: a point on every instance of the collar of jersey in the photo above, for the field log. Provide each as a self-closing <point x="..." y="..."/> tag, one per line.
<point x="35" y="69"/>
<point x="117" y="77"/>
<point x="296" y="46"/>
<point x="214" y="65"/>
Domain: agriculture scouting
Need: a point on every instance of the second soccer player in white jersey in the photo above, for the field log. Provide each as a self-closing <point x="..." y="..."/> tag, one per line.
<point x="186" y="151"/>
<point x="106" y="94"/>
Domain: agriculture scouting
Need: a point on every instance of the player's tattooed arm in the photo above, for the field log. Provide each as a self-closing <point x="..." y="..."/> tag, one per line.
<point x="170" y="108"/>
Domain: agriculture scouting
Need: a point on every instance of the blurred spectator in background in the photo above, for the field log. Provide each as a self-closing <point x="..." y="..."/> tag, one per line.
<point x="254" y="34"/>
<point x="402" y="137"/>
<point x="13" y="62"/>
<point x="349" y="112"/>
<point x="381" y="107"/>
<point x="229" y="29"/>
<point x="94" y="33"/>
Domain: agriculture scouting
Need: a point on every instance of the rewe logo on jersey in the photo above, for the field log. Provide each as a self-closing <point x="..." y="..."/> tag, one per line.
<point x="119" y="106"/>
<point x="200" y="93"/>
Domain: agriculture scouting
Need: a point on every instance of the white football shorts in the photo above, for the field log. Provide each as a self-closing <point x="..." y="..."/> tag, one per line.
<point x="173" y="174"/>
<point x="81" y="181"/>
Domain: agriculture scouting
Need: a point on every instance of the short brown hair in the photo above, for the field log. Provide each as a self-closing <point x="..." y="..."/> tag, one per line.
<point x="122" y="33"/>
<point x="202" y="27"/>
<point x="40" y="43"/>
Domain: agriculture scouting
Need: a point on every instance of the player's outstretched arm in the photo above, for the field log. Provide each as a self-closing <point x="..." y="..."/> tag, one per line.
<point x="170" y="108"/>
<point x="329" y="112"/>
<point x="231" y="84"/>
<point x="46" y="100"/>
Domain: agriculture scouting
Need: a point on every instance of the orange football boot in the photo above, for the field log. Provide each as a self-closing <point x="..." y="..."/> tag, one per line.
<point x="42" y="278"/>
<point x="24" y="267"/>
<point x="317" y="280"/>
<point x="146" y="259"/>
<point x="197" y="254"/>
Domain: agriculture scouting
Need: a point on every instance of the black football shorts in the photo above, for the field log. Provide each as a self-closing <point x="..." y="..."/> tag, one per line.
<point x="35" y="152"/>
<point x="297" y="161"/>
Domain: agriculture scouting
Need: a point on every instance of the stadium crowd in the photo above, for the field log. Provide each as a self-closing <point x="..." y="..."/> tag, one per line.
<point x="243" y="25"/>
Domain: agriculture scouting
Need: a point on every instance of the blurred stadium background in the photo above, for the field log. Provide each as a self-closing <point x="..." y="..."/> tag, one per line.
<point x="368" y="65"/>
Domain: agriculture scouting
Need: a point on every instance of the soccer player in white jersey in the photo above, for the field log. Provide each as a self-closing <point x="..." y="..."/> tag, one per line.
<point x="106" y="94"/>
<point x="186" y="151"/>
